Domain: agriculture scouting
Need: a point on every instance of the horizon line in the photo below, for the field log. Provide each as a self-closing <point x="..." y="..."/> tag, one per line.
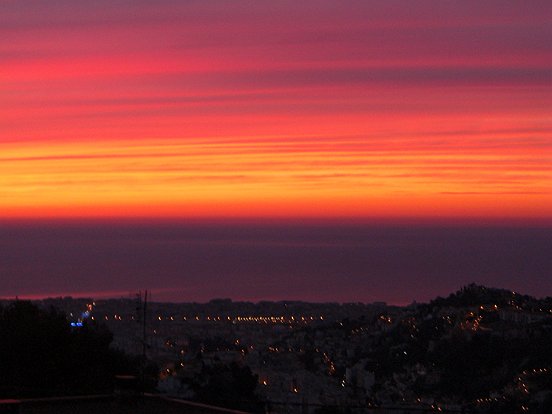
<point x="130" y="295"/>
<point x="506" y="221"/>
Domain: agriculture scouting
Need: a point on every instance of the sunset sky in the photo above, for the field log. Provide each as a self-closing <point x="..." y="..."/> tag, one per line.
<point x="276" y="109"/>
<point x="320" y="150"/>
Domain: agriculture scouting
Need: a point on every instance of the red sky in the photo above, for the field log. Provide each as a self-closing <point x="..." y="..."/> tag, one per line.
<point x="253" y="109"/>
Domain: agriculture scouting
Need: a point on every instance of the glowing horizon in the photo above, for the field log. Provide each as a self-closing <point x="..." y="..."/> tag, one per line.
<point x="281" y="110"/>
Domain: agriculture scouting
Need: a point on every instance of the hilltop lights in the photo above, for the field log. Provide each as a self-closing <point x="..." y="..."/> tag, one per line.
<point x="259" y="319"/>
<point x="84" y="315"/>
<point x="345" y="354"/>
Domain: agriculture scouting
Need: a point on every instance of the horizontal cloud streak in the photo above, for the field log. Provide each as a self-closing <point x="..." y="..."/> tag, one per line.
<point x="196" y="108"/>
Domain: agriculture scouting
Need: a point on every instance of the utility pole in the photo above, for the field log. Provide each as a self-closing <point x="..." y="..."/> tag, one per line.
<point x="144" y="344"/>
<point x="142" y="312"/>
<point x="145" y="310"/>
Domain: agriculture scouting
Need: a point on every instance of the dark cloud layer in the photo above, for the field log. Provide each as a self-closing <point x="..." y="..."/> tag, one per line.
<point x="395" y="263"/>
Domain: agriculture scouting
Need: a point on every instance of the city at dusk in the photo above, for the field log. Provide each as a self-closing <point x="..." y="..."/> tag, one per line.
<point x="278" y="207"/>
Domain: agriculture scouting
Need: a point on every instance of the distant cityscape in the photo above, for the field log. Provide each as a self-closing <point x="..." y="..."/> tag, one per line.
<point x="478" y="350"/>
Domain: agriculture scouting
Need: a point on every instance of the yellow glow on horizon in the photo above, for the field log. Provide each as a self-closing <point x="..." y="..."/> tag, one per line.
<point x="270" y="176"/>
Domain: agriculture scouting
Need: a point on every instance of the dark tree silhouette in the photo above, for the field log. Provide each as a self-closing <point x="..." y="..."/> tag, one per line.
<point x="231" y="386"/>
<point x="41" y="355"/>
